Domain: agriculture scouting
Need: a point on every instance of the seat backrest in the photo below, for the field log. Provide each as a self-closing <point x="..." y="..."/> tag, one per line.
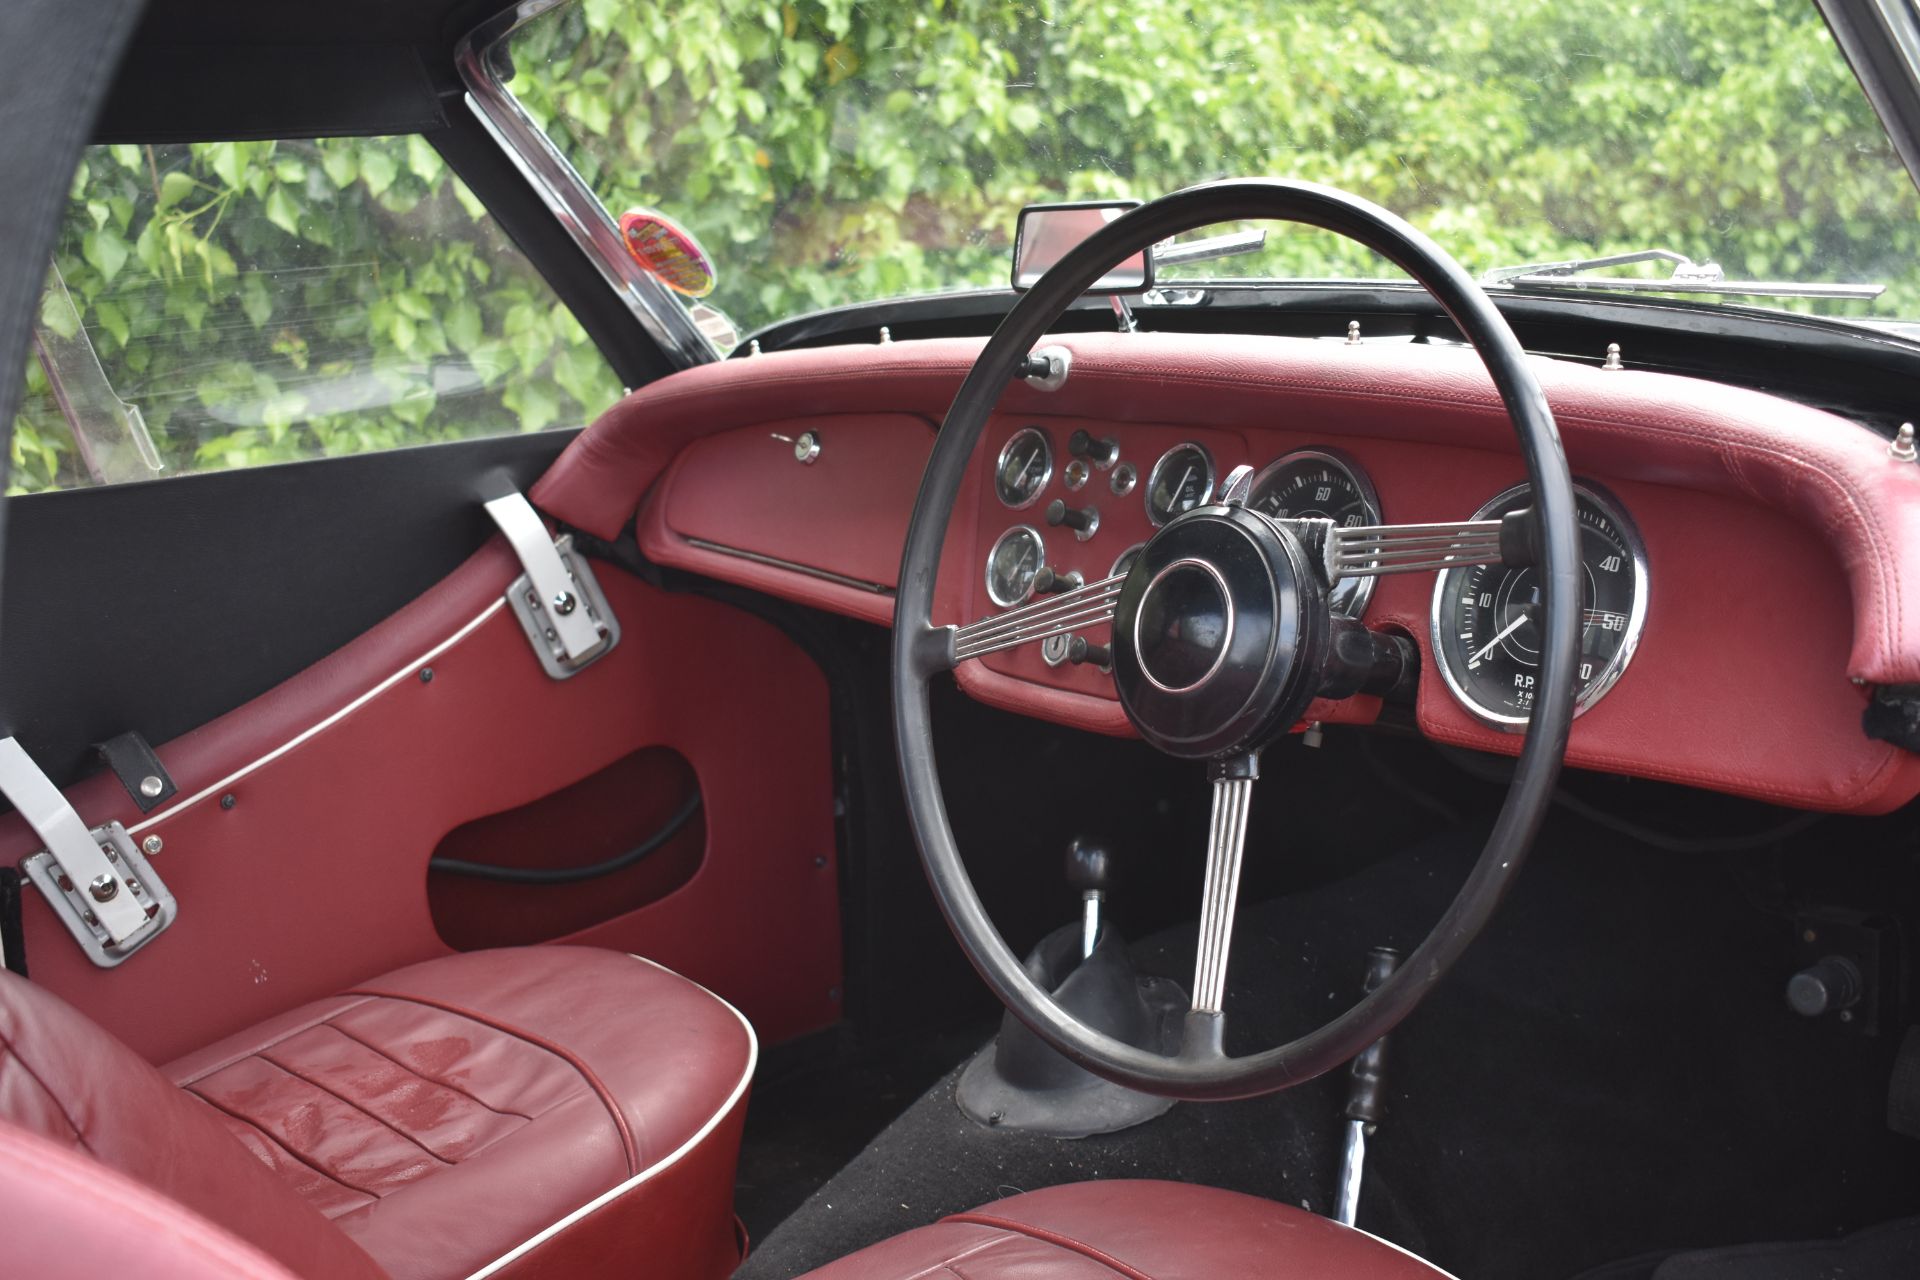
<point x="67" y="1216"/>
<point x="73" y="1085"/>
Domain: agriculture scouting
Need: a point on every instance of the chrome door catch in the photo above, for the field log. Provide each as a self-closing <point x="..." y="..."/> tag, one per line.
<point x="98" y="883"/>
<point x="557" y="600"/>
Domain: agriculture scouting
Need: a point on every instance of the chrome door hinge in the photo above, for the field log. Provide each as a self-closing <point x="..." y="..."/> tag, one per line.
<point x="557" y="600"/>
<point x="97" y="882"/>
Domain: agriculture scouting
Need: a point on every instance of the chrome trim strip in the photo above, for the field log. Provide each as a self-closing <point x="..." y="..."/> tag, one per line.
<point x="479" y="57"/>
<point x="825" y="575"/>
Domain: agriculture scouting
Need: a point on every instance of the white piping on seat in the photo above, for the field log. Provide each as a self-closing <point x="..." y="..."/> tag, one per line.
<point x="657" y="1167"/>
<point x="173" y="810"/>
<point x="1407" y="1252"/>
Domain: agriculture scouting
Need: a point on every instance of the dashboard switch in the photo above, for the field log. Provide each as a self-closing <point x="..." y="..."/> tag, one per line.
<point x="1050" y="580"/>
<point x="1830" y="984"/>
<point x="1084" y="521"/>
<point x="1101" y="451"/>
<point x="1080" y="650"/>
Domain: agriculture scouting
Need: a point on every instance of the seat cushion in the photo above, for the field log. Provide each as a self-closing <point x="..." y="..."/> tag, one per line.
<point x="547" y="1110"/>
<point x="1136" y="1230"/>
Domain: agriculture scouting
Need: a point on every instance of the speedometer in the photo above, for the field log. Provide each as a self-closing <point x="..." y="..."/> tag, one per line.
<point x="1321" y="484"/>
<point x="1486" y="617"/>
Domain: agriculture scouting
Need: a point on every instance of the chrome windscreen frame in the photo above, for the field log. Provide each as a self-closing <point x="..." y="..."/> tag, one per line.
<point x="481" y="57"/>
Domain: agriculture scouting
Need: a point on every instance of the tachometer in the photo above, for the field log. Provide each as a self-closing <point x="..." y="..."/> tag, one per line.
<point x="1179" y="482"/>
<point x="1321" y="484"/>
<point x="1012" y="563"/>
<point x="1025" y="466"/>
<point x="1485" y="618"/>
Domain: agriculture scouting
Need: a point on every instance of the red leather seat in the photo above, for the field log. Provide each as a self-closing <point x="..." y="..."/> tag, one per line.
<point x="1126" y="1230"/>
<point x="541" y="1111"/>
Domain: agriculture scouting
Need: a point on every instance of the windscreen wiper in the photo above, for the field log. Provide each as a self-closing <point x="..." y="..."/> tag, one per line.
<point x="1688" y="277"/>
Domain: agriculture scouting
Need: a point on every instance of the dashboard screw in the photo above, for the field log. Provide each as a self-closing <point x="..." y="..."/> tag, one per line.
<point x="1902" y="449"/>
<point x="227" y="801"/>
<point x="426" y="675"/>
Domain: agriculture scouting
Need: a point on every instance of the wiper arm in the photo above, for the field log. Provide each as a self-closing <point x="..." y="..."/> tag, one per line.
<point x="1688" y="277"/>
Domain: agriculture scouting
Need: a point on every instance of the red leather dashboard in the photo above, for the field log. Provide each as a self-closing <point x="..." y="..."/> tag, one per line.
<point x="1782" y="575"/>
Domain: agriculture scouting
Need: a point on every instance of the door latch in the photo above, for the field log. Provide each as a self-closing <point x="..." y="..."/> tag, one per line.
<point x="558" y="601"/>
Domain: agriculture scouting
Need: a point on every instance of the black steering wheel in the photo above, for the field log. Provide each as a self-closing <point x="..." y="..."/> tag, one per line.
<point x="1222" y="634"/>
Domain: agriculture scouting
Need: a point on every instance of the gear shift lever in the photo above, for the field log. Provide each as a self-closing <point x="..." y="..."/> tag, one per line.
<point x="1089" y="870"/>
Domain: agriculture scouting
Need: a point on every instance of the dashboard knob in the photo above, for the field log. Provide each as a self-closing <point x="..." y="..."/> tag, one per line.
<point x="1102" y="452"/>
<point x="1079" y="650"/>
<point x="1082" y="520"/>
<point x="1050" y="580"/>
<point x="1828" y="985"/>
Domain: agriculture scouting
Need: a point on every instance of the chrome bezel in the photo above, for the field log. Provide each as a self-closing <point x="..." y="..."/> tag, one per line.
<point x="1123" y="479"/>
<point x="993" y="553"/>
<point x="1046" y="474"/>
<point x="1153" y="477"/>
<point x="1075" y="475"/>
<point x="1133" y="550"/>
<point x="1636" y="618"/>
<point x="1343" y="462"/>
<point x="1226" y="641"/>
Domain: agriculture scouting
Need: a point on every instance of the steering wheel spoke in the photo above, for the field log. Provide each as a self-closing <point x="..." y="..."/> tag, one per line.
<point x="1226" y="843"/>
<point x="1053" y="615"/>
<point x="1374" y="550"/>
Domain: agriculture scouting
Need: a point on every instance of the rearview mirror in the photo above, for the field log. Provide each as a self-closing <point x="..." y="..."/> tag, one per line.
<point x="1046" y="233"/>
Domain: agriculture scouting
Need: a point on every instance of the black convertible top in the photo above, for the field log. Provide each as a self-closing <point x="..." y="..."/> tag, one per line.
<point x="206" y="69"/>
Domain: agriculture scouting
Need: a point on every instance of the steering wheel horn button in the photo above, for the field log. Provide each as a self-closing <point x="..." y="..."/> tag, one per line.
<point x="1184" y="626"/>
<point x="1215" y="632"/>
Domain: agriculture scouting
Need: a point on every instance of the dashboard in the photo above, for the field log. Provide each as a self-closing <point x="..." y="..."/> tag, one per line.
<point x="1744" y="585"/>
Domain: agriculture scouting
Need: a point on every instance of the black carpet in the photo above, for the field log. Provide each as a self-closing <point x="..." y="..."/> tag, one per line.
<point x="1611" y="1071"/>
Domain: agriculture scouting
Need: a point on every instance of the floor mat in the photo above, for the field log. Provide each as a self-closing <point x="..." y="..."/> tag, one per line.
<point x="1611" y="1070"/>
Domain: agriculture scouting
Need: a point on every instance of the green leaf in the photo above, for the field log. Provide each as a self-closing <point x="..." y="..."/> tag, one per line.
<point x="105" y="249"/>
<point x="378" y="169"/>
<point x="174" y="188"/>
<point x="339" y="164"/>
<point x="464" y="328"/>
<point x="282" y="212"/>
<point x="113" y="320"/>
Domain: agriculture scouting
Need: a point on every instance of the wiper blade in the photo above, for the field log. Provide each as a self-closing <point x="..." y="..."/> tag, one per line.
<point x="1688" y="277"/>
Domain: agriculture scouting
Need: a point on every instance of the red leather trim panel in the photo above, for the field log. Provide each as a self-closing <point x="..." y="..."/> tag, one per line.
<point x="1136" y="1230"/>
<point x="73" y="1217"/>
<point x="315" y="877"/>
<point x="845" y="513"/>
<point x="1779" y="535"/>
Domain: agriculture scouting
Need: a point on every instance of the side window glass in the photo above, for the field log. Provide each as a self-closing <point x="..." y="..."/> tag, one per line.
<point x="232" y="304"/>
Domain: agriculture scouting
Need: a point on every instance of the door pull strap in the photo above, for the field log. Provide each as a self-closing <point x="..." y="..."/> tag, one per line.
<point x="97" y="881"/>
<point x="559" y="603"/>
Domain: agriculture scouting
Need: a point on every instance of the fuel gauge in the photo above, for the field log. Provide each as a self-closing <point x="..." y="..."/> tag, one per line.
<point x="1179" y="482"/>
<point x="1012" y="564"/>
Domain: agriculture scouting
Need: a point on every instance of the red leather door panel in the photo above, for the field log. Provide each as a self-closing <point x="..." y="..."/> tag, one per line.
<point x="343" y="779"/>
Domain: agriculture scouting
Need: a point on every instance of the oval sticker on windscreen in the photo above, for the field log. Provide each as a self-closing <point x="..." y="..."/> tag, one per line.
<point x="668" y="250"/>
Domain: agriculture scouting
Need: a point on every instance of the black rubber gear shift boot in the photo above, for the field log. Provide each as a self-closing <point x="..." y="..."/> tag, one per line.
<point x="1019" y="1082"/>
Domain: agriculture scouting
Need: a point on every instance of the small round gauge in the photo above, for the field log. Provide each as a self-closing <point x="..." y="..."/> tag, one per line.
<point x="1075" y="475"/>
<point x="1485" y="617"/>
<point x="1015" y="558"/>
<point x="1025" y="466"/>
<point x="1125" y="563"/>
<point x="1124" y="477"/>
<point x="1321" y="484"/>
<point x="1179" y="482"/>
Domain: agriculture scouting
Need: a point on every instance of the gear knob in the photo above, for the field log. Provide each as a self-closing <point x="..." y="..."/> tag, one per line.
<point x="1089" y="866"/>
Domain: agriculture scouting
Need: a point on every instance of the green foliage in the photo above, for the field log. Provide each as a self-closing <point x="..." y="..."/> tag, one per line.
<point x="828" y="152"/>
<point x="265" y="302"/>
